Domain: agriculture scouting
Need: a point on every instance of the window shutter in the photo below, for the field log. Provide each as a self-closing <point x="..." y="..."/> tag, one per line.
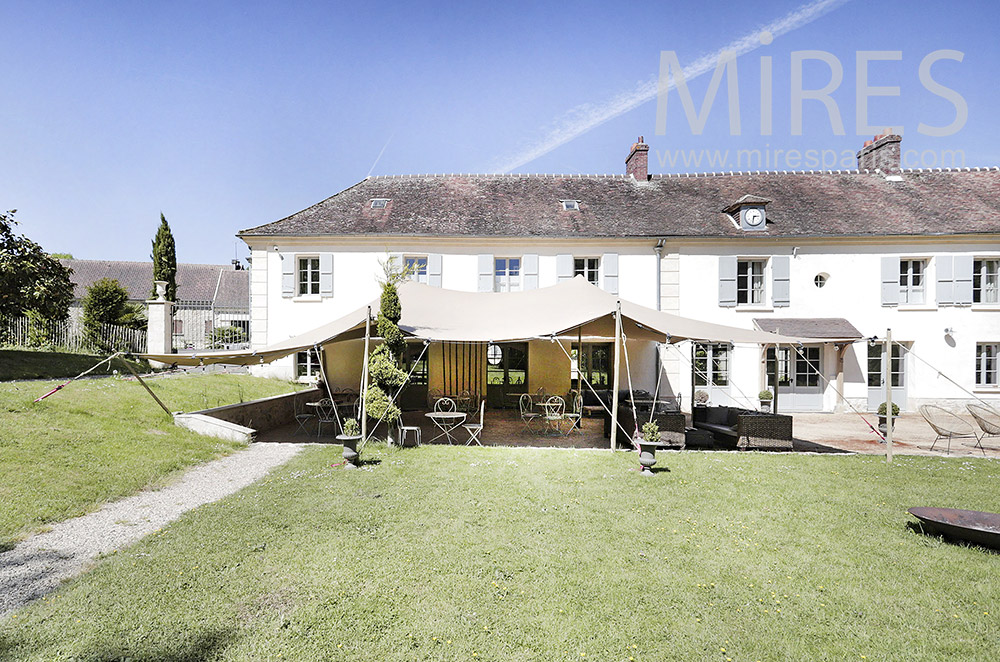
<point x="963" y="280"/>
<point x="782" y="281"/>
<point x="287" y="275"/>
<point x="890" y="281"/>
<point x="944" y="265"/>
<point x="326" y="274"/>
<point x="727" y="281"/>
<point x="485" y="272"/>
<point x="434" y="270"/>
<point x="610" y="263"/>
<point x="564" y="267"/>
<point x="529" y="271"/>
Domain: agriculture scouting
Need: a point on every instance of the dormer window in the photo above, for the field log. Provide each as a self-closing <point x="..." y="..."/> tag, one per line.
<point x="379" y="203"/>
<point x="570" y="205"/>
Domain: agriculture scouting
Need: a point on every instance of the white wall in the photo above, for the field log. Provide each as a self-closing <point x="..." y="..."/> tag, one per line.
<point x="853" y="292"/>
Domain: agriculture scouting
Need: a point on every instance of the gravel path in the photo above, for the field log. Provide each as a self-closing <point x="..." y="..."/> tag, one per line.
<point x="40" y="563"/>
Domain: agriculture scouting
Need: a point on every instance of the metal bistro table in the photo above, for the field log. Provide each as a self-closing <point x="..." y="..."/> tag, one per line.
<point x="446" y="421"/>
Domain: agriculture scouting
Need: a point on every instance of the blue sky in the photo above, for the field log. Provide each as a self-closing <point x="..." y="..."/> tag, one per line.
<point x="229" y="115"/>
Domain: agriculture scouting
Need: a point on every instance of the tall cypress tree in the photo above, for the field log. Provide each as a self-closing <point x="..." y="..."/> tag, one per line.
<point x="165" y="259"/>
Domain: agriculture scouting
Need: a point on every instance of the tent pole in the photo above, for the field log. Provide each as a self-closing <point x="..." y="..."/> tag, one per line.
<point x="888" y="396"/>
<point x="363" y="413"/>
<point x="614" y="392"/>
<point x="579" y="359"/>
<point x="774" y="377"/>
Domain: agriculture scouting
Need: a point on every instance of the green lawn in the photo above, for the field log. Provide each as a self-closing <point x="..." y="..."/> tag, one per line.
<point x="449" y="553"/>
<point x="97" y="440"/>
<point x="38" y="364"/>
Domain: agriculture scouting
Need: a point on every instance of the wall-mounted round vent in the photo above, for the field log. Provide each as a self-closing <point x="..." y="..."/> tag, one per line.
<point x="820" y="279"/>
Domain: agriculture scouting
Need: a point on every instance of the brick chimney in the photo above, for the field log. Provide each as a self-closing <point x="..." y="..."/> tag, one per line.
<point x="637" y="163"/>
<point x="881" y="152"/>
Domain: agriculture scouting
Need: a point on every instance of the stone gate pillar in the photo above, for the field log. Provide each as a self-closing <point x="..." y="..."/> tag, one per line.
<point x="159" y="327"/>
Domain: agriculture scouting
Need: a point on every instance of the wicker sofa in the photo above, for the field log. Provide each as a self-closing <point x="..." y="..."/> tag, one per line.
<point x="744" y="429"/>
<point x="671" y="426"/>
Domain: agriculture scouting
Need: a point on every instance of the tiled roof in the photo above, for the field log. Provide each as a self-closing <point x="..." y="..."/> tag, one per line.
<point x="802" y="204"/>
<point x="195" y="282"/>
<point x="810" y="327"/>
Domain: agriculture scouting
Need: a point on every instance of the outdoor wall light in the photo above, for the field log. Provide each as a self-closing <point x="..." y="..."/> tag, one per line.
<point x="949" y="331"/>
<point x="873" y="341"/>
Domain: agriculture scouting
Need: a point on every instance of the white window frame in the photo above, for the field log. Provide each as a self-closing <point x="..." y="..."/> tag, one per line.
<point x="570" y="205"/>
<point x="380" y="203"/>
<point x="419" y="273"/>
<point x="308" y="369"/>
<point x="912" y="285"/>
<point x="751" y="286"/>
<point x="986" y="281"/>
<point x="507" y="279"/>
<point x="591" y="268"/>
<point x="311" y="280"/>
<point x="718" y="364"/>
<point x="987" y="364"/>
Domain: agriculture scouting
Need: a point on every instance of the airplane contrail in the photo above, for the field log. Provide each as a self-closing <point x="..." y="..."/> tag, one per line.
<point x="585" y="117"/>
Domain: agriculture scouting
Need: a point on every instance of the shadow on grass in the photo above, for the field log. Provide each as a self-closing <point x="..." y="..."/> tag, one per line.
<point x="207" y="645"/>
<point x="917" y="527"/>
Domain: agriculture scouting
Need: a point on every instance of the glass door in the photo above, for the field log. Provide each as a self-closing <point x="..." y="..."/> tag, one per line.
<point x="506" y="373"/>
<point x="800" y="387"/>
<point x="414" y="394"/>
<point x="876" y="376"/>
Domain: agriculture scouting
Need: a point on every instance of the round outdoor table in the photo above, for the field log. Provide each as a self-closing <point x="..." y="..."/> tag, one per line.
<point x="446" y="421"/>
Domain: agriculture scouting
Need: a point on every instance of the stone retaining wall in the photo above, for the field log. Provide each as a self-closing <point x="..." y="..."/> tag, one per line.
<point x="266" y="413"/>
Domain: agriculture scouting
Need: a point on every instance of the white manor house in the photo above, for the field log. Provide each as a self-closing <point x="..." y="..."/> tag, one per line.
<point x="839" y="256"/>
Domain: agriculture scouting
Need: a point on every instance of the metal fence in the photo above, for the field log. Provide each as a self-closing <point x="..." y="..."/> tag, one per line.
<point x="200" y="325"/>
<point x="70" y="334"/>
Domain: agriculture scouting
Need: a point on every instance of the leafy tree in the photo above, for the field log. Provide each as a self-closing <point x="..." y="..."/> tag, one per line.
<point x="62" y="256"/>
<point x="165" y="259"/>
<point x="107" y="303"/>
<point x="30" y="278"/>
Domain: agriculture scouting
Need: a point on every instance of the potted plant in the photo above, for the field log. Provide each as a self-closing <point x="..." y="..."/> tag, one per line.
<point x="881" y="417"/>
<point x="765" y="398"/>
<point x="648" y="442"/>
<point x="700" y="398"/>
<point x="352" y="433"/>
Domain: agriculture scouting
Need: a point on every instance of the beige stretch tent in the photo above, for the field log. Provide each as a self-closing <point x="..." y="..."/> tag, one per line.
<point x="431" y="313"/>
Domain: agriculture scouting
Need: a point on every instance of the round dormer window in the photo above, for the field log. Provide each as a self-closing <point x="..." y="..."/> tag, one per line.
<point x="820" y="279"/>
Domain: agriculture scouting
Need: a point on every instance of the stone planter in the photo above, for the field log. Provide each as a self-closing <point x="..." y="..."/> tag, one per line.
<point x="647" y="456"/>
<point x="882" y="426"/>
<point x="765" y="406"/>
<point x="350" y="449"/>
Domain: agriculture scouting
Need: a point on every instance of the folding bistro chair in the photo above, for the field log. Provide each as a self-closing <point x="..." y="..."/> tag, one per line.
<point x="326" y="414"/>
<point x="575" y="416"/>
<point x="302" y="415"/>
<point x="476" y="429"/>
<point x="528" y="416"/>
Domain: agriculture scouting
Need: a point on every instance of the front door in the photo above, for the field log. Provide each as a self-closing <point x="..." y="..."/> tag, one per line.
<point x="506" y="373"/>
<point x="799" y="385"/>
<point x="414" y="394"/>
<point x="594" y="363"/>
<point x="876" y="376"/>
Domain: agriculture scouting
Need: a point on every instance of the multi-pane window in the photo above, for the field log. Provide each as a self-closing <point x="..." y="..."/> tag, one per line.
<point x="807" y="367"/>
<point x="308" y="275"/>
<point x="587" y="267"/>
<point x="507" y="274"/>
<point x="307" y="364"/>
<point x="178" y="327"/>
<point x="784" y="365"/>
<point x="750" y="282"/>
<point x="911" y="281"/>
<point x="416" y="267"/>
<point x="985" y="281"/>
<point x="986" y="363"/>
<point x="595" y="364"/>
<point x="711" y="364"/>
<point x="876" y="369"/>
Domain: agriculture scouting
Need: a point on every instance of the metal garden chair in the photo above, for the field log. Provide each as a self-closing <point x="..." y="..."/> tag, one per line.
<point x="302" y="415"/>
<point x="988" y="421"/>
<point x="326" y="414"/>
<point x="947" y="425"/>
<point x="476" y="429"/>
<point x="528" y="415"/>
<point x="575" y="415"/>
